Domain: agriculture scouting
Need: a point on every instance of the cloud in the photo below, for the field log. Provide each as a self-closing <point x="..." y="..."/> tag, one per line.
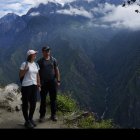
<point x="104" y="8"/>
<point x="105" y="15"/>
<point x="34" y="14"/>
<point x="16" y="6"/>
<point x="74" y="11"/>
<point x="118" y="16"/>
<point x="89" y="1"/>
<point x="36" y="2"/>
<point x="12" y="6"/>
<point x="21" y="7"/>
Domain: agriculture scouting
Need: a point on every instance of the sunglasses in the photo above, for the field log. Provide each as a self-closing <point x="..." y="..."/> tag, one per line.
<point x="46" y="50"/>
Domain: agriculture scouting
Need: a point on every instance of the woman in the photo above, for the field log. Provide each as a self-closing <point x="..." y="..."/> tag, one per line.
<point x="30" y="84"/>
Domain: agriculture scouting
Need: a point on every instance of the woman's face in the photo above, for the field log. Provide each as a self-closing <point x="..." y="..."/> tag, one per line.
<point x="33" y="57"/>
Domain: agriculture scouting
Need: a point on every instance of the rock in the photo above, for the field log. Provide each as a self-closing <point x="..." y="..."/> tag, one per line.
<point x="18" y="108"/>
<point x="75" y="117"/>
<point x="10" y="98"/>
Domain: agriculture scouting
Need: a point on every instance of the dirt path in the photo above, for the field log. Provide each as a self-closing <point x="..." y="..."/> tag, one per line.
<point x="15" y="120"/>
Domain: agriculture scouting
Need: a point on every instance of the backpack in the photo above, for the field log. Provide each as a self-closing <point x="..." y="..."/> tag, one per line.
<point x="53" y="61"/>
<point x="21" y="78"/>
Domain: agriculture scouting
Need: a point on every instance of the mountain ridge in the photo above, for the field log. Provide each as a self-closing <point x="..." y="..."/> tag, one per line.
<point x="98" y="65"/>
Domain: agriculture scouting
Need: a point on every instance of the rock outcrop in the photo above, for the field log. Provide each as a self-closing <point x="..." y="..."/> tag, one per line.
<point x="10" y="97"/>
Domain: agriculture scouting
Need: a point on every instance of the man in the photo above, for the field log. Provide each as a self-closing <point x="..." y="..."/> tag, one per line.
<point x="50" y="80"/>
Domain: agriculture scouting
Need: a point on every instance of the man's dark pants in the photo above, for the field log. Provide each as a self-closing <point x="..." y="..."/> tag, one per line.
<point x="51" y="88"/>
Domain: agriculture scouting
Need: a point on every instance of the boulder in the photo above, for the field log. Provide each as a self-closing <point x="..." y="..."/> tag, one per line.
<point x="10" y="97"/>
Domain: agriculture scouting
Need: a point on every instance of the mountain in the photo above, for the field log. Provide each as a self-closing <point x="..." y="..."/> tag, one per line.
<point x="71" y="38"/>
<point x="99" y="66"/>
<point x="116" y="2"/>
<point x="120" y="67"/>
<point x="11" y="23"/>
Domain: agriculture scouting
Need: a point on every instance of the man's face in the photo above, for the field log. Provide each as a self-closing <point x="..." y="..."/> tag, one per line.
<point x="46" y="53"/>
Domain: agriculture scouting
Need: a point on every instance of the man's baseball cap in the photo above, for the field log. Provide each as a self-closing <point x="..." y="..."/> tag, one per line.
<point x="46" y="48"/>
<point x="29" y="52"/>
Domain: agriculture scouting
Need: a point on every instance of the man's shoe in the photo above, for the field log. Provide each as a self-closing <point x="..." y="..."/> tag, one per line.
<point x="53" y="118"/>
<point x="28" y="125"/>
<point x="33" y="123"/>
<point x="42" y="119"/>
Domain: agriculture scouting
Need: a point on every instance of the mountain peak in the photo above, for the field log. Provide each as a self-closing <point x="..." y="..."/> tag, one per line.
<point x="116" y="2"/>
<point x="45" y="8"/>
<point x="9" y="17"/>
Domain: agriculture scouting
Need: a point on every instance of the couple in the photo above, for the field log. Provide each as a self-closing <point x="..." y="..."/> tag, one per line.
<point x="43" y="76"/>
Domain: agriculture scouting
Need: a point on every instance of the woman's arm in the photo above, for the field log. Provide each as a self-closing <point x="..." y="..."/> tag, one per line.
<point x="22" y="73"/>
<point x="38" y="80"/>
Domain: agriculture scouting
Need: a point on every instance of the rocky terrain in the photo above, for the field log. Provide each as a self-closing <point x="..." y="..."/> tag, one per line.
<point x="68" y="113"/>
<point x="10" y="98"/>
<point x="11" y="114"/>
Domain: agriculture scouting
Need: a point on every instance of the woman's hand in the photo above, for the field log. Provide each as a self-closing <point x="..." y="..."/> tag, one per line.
<point x="39" y="86"/>
<point x="58" y="83"/>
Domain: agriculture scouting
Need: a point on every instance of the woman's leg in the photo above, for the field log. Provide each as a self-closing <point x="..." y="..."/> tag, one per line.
<point x="32" y="101"/>
<point x="25" y="93"/>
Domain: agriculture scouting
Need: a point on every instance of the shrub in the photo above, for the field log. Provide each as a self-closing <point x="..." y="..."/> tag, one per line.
<point x="104" y="124"/>
<point x="65" y="103"/>
<point x="86" y="122"/>
<point x="90" y="122"/>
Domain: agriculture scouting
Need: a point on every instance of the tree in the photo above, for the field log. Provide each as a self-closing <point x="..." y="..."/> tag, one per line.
<point x="130" y="2"/>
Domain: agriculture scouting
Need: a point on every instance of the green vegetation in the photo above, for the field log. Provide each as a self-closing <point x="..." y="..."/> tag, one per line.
<point x="75" y="117"/>
<point x="95" y="63"/>
<point x="66" y="104"/>
<point x="90" y="122"/>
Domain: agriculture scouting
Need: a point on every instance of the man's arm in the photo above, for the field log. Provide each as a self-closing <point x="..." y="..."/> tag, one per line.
<point x="57" y="75"/>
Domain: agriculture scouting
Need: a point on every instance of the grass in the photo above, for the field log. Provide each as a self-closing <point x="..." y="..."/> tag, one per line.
<point x="68" y="109"/>
<point x="90" y="122"/>
<point x="65" y="104"/>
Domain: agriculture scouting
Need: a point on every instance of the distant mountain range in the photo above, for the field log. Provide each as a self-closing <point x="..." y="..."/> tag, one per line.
<point x="120" y="67"/>
<point x="99" y="66"/>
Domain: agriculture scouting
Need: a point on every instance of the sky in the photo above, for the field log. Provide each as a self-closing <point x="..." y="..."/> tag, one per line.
<point x="118" y="16"/>
<point x="112" y="15"/>
<point x="21" y="7"/>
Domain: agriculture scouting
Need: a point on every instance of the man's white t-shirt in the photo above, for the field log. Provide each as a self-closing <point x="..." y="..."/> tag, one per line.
<point x="30" y="78"/>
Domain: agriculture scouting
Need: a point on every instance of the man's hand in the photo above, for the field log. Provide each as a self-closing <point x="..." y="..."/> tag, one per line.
<point x="39" y="88"/>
